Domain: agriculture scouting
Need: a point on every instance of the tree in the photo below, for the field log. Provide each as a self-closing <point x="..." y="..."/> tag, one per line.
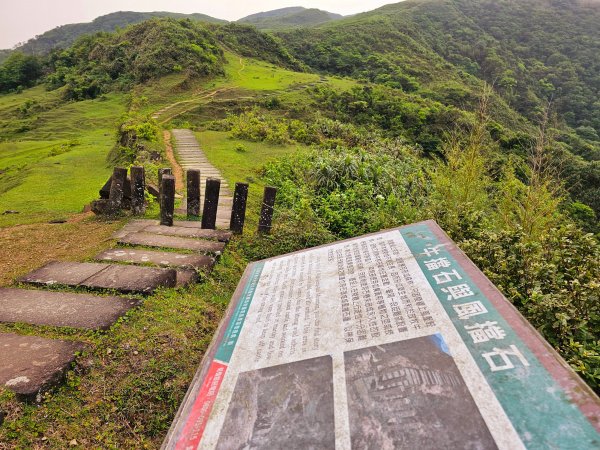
<point x="19" y="70"/>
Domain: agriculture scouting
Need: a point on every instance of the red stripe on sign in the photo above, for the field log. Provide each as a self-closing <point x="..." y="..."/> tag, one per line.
<point x="198" y="416"/>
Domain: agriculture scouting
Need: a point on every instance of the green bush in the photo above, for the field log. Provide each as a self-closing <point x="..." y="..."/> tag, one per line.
<point x="555" y="283"/>
<point x="19" y="71"/>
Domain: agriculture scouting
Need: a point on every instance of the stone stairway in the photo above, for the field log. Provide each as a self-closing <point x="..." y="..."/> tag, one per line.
<point x="190" y="156"/>
<point x="29" y="365"/>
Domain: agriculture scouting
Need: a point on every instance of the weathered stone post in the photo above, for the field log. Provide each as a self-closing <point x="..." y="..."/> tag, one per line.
<point x="138" y="187"/>
<point x="193" y="193"/>
<point x="266" y="213"/>
<point x="238" y="209"/>
<point x="161" y="172"/>
<point x="211" y="202"/>
<point x="167" y="200"/>
<point x="117" y="189"/>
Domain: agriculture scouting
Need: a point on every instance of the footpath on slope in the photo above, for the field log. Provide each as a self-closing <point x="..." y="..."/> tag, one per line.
<point x="190" y="156"/>
<point x="142" y="261"/>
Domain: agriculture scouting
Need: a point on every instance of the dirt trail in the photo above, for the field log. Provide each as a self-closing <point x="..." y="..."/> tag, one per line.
<point x="243" y="66"/>
<point x="164" y="111"/>
<point x="177" y="170"/>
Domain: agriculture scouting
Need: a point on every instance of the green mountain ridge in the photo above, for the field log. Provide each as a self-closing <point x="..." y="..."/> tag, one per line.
<point x="64" y="35"/>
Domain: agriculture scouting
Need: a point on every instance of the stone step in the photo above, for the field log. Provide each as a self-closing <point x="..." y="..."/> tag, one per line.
<point x="126" y="279"/>
<point x="155" y="240"/>
<point x="62" y="309"/>
<point x="204" y="172"/>
<point x="144" y="224"/>
<point x="30" y="365"/>
<point x="192" y="223"/>
<point x="204" y="176"/>
<point x="185" y="277"/>
<point x="131" y="227"/>
<point x="165" y="259"/>
<point x="200" y="233"/>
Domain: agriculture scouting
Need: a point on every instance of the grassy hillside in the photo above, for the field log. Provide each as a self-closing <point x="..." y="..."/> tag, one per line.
<point x="55" y="161"/>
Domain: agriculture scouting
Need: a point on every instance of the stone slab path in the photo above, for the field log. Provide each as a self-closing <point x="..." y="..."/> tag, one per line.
<point x="164" y="259"/>
<point x="190" y="156"/>
<point x="121" y="278"/>
<point x="161" y="241"/>
<point x="31" y="364"/>
<point x="62" y="309"/>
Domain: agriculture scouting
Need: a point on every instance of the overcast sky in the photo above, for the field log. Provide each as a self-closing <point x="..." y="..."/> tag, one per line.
<point x="23" y="19"/>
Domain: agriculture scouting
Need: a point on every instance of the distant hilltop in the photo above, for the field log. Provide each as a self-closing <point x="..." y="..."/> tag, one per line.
<point x="289" y="17"/>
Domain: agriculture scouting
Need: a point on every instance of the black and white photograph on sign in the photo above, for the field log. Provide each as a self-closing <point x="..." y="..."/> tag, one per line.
<point x="410" y="394"/>
<point x="285" y="406"/>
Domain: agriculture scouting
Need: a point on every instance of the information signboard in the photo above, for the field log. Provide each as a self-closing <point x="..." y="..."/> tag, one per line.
<point x="390" y="340"/>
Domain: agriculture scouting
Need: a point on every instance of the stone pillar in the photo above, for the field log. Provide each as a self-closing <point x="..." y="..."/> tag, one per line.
<point x="266" y="213"/>
<point x="138" y="187"/>
<point x="238" y="209"/>
<point x="193" y="193"/>
<point x="161" y="172"/>
<point x="167" y="200"/>
<point x="211" y="202"/>
<point x="117" y="189"/>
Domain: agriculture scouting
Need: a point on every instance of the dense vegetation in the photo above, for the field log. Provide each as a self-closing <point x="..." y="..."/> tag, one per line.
<point x="148" y="50"/>
<point x="534" y="53"/>
<point x="102" y="62"/>
<point x="66" y="35"/>
<point x="246" y="41"/>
